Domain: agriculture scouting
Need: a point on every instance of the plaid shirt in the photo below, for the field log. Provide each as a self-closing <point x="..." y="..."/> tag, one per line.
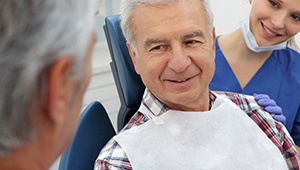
<point x="113" y="157"/>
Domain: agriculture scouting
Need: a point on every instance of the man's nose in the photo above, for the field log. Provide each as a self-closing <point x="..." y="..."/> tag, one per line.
<point x="179" y="59"/>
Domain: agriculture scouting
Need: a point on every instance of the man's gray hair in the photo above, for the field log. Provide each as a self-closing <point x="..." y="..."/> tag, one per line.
<point x="34" y="34"/>
<point x="128" y="6"/>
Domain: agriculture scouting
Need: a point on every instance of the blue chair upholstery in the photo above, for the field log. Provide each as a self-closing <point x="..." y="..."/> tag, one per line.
<point x="94" y="131"/>
<point x="129" y="84"/>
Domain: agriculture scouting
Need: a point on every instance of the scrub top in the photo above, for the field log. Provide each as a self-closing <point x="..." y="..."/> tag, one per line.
<point x="279" y="77"/>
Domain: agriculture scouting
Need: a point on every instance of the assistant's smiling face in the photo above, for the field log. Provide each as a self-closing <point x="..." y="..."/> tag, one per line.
<point x="274" y="21"/>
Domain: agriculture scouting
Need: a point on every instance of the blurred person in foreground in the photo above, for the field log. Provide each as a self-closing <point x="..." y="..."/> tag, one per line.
<point x="181" y="124"/>
<point x="45" y="67"/>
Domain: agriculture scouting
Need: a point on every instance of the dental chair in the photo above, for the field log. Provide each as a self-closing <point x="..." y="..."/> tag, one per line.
<point x="94" y="131"/>
<point x="129" y="84"/>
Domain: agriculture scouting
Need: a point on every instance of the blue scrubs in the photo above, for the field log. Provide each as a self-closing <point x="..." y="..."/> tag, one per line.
<point x="279" y="77"/>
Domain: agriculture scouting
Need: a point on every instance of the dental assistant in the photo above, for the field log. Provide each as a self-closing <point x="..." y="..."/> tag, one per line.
<point x="261" y="57"/>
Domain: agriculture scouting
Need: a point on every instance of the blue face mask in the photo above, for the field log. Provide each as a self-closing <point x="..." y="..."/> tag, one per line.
<point x="251" y="42"/>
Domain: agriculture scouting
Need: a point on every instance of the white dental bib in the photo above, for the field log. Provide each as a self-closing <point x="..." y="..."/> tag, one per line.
<point x="222" y="138"/>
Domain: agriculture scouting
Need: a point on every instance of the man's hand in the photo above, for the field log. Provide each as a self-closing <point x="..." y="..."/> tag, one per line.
<point x="270" y="106"/>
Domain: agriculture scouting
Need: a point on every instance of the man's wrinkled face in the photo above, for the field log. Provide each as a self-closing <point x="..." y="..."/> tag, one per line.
<point x="175" y="52"/>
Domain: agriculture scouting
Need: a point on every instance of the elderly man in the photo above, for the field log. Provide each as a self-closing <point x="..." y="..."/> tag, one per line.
<point x="181" y="124"/>
<point x="45" y="66"/>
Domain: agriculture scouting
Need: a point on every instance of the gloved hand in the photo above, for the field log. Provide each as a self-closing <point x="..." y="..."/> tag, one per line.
<point x="270" y="106"/>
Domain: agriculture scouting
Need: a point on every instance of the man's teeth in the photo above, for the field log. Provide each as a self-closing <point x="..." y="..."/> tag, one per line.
<point x="179" y="81"/>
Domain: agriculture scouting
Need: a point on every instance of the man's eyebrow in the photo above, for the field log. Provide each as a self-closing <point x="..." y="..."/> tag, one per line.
<point x="197" y="33"/>
<point x="149" y="42"/>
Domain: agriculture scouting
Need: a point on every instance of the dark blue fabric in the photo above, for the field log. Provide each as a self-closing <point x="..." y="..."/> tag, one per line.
<point x="94" y="131"/>
<point x="279" y="77"/>
<point x="129" y="84"/>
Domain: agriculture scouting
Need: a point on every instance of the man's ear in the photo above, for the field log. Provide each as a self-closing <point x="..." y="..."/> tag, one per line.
<point x="133" y="56"/>
<point x="214" y="33"/>
<point x="214" y="40"/>
<point x="59" y="89"/>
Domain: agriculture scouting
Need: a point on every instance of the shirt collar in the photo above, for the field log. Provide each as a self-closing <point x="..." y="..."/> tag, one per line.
<point x="157" y="108"/>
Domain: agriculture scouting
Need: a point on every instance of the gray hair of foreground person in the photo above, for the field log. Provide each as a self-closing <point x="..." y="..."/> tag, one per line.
<point x="34" y="34"/>
<point x="127" y="10"/>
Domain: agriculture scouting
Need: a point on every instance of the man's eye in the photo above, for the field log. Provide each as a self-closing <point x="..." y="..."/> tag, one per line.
<point x="156" y="48"/>
<point x="193" y="43"/>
